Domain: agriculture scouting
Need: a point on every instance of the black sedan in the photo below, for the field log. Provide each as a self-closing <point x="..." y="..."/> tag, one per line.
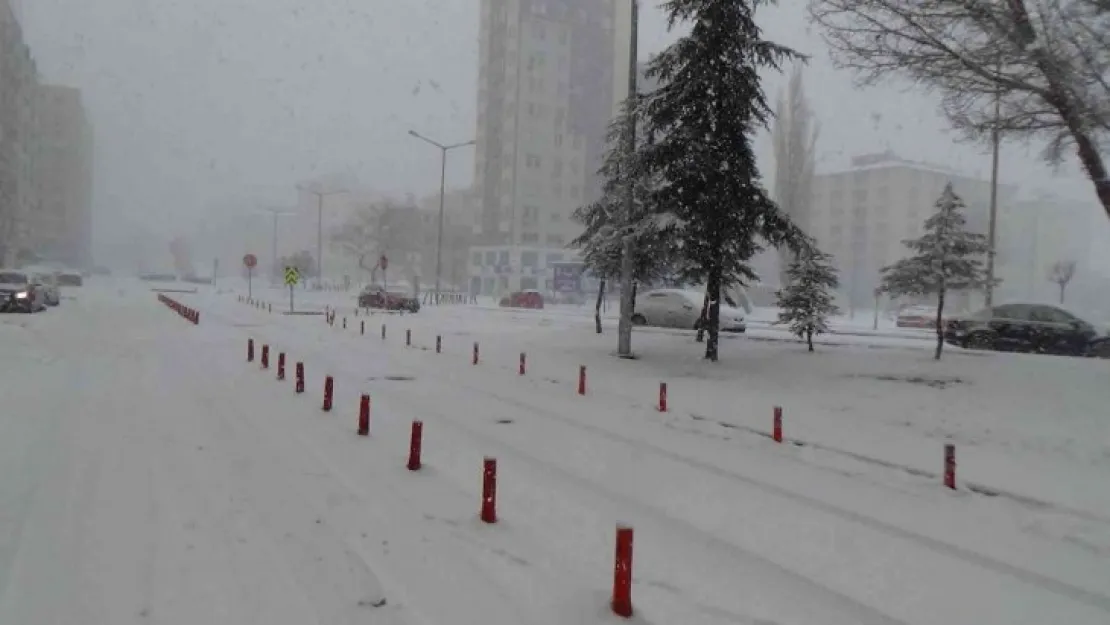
<point x="376" y="297"/>
<point x="1035" y="328"/>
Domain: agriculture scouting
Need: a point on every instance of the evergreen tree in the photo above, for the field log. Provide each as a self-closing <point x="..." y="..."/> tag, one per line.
<point x="606" y="222"/>
<point x="807" y="299"/>
<point x="704" y="113"/>
<point x="946" y="257"/>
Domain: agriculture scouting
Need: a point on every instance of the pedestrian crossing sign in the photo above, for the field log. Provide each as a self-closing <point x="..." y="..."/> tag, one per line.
<point x="292" y="276"/>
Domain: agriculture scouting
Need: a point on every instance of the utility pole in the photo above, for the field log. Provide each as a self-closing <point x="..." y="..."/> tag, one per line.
<point x="624" y="326"/>
<point x="443" y="150"/>
<point x="275" y="212"/>
<point x="320" y="195"/>
<point x="992" y="227"/>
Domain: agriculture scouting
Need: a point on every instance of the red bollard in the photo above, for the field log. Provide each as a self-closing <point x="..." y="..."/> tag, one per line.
<point x="408" y="338"/>
<point x="361" y="326"/>
<point x="383" y="331"/>
<point x="300" y="377"/>
<point x="281" y="366"/>
<point x="364" y="416"/>
<point x="196" y="317"/>
<point x="950" y="466"/>
<point x="622" y="573"/>
<point x="662" y="397"/>
<point x="582" y="380"/>
<point x="250" y="350"/>
<point x="777" y="433"/>
<point x="489" y="490"/>
<point x="474" y="360"/>
<point x="522" y="368"/>
<point x="415" y="441"/>
<point x="265" y="356"/>
<point x="269" y="308"/>
<point x="328" y="387"/>
<point x="439" y="344"/>
<point x="344" y="323"/>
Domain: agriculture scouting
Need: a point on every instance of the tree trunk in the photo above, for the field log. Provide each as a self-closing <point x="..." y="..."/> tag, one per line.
<point x="809" y="338"/>
<point x="635" y="290"/>
<point x="703" y="318"/>
<point x="940" y="322"/>
<point x="597" y="306"/>
<point x="1063" y="287"/>
<point x="714" y="292"/>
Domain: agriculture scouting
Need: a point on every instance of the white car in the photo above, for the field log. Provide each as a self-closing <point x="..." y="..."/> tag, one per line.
<point x="679" y="308"/>
<point x="51" y="294"/>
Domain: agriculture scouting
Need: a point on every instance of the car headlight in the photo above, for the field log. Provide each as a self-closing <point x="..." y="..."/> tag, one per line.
<point x="21" y="295"/>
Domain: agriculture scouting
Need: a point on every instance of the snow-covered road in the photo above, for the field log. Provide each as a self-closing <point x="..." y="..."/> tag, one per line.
<point x="151" y="475"/>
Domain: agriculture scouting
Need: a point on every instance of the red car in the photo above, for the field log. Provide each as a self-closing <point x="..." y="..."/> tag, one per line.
<point x="523" y="299"/>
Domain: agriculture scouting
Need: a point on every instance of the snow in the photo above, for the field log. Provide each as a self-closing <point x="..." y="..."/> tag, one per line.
<point x="172" y="482"/>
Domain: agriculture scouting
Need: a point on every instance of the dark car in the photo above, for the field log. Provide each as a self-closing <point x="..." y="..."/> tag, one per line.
<point x="375" y="296"/>
<point x="1035" y="328"/>
<point x="20" y="293"/>
<point x="523" y="299"/>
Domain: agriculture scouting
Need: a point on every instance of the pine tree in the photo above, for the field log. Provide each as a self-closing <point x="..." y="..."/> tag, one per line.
<point x="606" y="222"/>
<point x="807" y="299"/>
<point x="704" y="114"/>
<point x="946" y="257"/>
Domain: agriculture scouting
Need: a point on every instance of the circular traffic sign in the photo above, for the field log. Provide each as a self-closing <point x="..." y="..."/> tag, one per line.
<point x="383" y="261"/>
<point x="250" y="261"/>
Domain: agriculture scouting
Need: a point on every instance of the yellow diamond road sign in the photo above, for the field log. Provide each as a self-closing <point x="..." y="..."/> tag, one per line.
<point x="291" y="276"/>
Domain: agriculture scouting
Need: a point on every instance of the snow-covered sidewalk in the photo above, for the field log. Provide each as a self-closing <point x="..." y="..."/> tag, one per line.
<point x="724" y="522"/>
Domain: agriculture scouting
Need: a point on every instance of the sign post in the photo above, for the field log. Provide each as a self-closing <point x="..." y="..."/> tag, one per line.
<point x="249" y="261"/>
<point x="292" y="276"/>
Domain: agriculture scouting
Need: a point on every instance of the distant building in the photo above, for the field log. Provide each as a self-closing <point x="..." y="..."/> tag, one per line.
<point x="60" y="228"/>
<point x="861" y="215"/>
<point x="552" y="74"/>
<point x="458" y="235"/>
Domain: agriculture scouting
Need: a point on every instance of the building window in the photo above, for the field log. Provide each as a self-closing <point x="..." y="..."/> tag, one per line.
<point x="529" y="259"/>
<point x="531" y="161"/>
<point x="529" y="237"/>
<point x="554" y="239"/>
<point x="503" y="257"/>
<point x="554" y="258"/>
<point x="491" y="258"/>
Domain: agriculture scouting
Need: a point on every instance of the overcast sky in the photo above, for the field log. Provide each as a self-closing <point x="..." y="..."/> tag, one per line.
<point x="202" y="105"/>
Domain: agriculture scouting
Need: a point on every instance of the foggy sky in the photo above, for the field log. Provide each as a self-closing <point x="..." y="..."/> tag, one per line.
<point x="202" y="105"/>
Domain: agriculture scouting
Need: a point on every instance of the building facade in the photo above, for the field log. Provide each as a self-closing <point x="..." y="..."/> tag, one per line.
<point x="862" y="215"/>
<point x="18" y="141"/>
<point x="549" y="84"/>
<point x="61" y="228"/>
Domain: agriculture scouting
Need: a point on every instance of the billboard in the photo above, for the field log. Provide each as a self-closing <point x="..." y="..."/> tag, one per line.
<point x="567" y="277"/>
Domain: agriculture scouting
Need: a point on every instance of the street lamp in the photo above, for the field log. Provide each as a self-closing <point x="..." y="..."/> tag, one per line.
<point x="444" y="149"/>
<point x="276" y="212"/>
<point x="320" y="195"/>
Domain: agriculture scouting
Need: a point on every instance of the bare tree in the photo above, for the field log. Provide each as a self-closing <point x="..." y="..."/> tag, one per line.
<point x="794" y="135"/>
<point x="386" y="227"/>
<point x="1061" y="272"/>
<point x="1046" y="61"/>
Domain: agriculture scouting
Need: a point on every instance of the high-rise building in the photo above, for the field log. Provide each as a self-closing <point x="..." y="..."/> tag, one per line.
<point x="862" y="215"/>
<point x="60" y="229"/>
<point x="18" y="189"/>
<point x="551" y="76"/>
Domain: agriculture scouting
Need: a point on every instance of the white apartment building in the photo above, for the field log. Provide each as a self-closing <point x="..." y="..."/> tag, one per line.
<point x="550" y="80"/>
<point x="18" y="137"/>
<point x="861" y="215"/>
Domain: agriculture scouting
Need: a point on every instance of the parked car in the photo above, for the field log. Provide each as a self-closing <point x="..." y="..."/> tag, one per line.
<point x="523" y="299"/>
<point x="19" y="293"/>
<point x="1026" y="327"/>
<point x="917" y="317"/>
<point x="678" y="308"/>
<point x="51" y="295"/>
<point x="374" y="296"/>
<point x="70" y="278"/>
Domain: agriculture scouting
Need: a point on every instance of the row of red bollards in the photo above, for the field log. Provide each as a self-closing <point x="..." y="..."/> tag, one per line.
<point x="662" y="405"/>
<point x="259" y="304"/>
<point x="621" y="602"/>
<point x="191" y="315"/>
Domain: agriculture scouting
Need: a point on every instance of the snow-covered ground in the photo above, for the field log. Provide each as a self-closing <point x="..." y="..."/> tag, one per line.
<point x="150" y="475"/>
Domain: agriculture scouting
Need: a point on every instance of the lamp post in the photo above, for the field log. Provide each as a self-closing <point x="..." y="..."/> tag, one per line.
<point x="320" y="195"/>
<point x="444" y="149"/>
<point x="276" y="212"/>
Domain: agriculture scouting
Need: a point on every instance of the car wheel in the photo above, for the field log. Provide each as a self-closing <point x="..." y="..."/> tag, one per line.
<point x="639" y="320"/>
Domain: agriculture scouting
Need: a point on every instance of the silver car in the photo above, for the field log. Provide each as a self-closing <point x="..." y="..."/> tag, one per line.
<point x="680" y="308"/>
<point x="51" y="294"/>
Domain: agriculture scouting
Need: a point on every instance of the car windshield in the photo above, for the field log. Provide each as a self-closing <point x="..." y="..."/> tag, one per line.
<point x="12" y="277"/>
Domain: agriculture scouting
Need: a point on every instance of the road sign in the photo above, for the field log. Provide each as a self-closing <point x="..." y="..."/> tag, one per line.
<point x="250" y="261"/>
<point x="292" y="276"/>
<point x="383" y="262"/>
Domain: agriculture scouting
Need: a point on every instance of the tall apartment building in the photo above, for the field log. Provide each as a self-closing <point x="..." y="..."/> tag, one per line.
<point x="861" y="215"/>
<point x="18" y="188"/>
<point x="550" y="81"/>
<point x="61" y="227"/>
